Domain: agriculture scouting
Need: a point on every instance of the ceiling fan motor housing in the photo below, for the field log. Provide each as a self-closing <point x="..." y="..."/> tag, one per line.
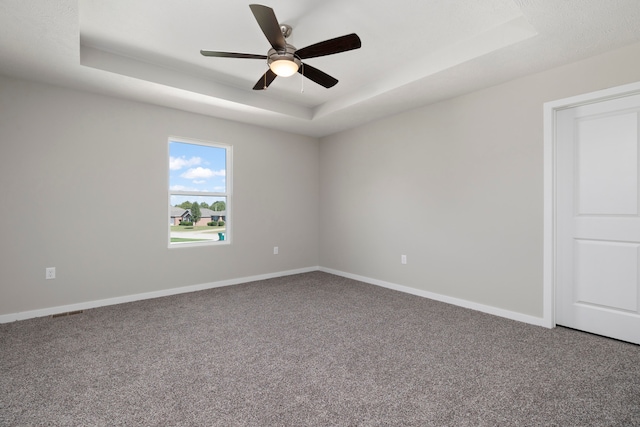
<point x="288" y="54"/>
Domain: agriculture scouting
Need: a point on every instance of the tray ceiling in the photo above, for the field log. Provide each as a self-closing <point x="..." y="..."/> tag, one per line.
<point x="413" y="52"/>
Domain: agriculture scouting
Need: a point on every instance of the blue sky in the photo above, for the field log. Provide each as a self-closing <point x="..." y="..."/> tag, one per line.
<point x="198" y="168"/>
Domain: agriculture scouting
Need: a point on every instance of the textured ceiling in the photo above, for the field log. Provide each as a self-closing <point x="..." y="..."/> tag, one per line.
<point x="413" y="52"/>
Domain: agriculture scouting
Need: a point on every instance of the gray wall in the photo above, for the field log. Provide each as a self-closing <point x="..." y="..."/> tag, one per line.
<point x="456" y="186"/>
<point x="84" y="189"/>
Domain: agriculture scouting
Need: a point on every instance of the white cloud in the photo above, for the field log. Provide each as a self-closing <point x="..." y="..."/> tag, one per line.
<point x="199" y="181"/>
<point x="202" y="173"/>
<point x="177" y="163"/>
<point x="180" y="188"/>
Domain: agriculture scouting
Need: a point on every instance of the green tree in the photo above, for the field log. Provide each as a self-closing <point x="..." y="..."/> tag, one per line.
<point x="204" y="205"/>
<point x="195" y="213"/>
<point x="185" y="205"/>
<point x="219" y="206"/>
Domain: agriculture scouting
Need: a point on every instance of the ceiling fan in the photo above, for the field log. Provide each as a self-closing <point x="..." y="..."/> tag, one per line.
<point x="284" y="59"/>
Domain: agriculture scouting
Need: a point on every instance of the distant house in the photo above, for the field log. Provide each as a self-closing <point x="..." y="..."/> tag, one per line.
<point x="178" y="215"/>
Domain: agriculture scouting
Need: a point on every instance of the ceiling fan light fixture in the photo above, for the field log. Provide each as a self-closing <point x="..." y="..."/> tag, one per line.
<point x="284" y="67"/>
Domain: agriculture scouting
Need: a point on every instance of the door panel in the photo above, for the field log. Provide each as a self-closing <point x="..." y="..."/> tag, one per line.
<point x="603" y="165"/>
<point x="606" y="274"/>
<point x="598" y="235"/>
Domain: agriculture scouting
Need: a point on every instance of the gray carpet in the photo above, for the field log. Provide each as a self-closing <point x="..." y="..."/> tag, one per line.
<point x="309" y="350"/>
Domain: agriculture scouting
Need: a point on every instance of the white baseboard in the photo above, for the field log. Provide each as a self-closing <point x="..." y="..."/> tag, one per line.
<point x="12" y="317"/>
<point x="538" y="321"/>
<point x="6" y="318"/>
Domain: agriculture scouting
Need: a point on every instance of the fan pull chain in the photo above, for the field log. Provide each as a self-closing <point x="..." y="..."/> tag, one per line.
<point x="265" y="79"/>
<point x="302" y="81"/>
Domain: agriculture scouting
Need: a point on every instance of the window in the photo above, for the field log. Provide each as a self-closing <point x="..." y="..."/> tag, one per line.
<point x="199" y="193"/>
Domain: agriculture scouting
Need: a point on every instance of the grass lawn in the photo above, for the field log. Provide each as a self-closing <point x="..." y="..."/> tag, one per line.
<point x="182" y="239"/>
<point x="197" y="228"/>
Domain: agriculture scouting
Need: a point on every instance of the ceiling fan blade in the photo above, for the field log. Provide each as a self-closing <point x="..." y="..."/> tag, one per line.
<point x="231" y="54"/>
<point x="265" y="80"/>
<point x="320" y="77"/>
<point x="269" y="25"/>
<point x="329" y="47"/>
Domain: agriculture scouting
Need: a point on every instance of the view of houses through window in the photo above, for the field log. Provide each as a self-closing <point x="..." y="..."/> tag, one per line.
<point x="199" y="195"/>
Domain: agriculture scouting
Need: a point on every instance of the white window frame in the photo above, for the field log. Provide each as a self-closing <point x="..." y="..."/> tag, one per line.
<point x="227" y="194"/>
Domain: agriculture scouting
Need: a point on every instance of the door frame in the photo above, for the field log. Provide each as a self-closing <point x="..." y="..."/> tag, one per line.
<point x="550" y="181"/>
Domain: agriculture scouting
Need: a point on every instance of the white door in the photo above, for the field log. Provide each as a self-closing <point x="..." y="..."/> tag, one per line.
<point x="598" y="220"/>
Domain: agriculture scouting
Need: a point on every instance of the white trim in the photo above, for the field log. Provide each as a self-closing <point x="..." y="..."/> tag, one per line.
<point x="538" y="321"/>
<point x="549" y="228"/>
<point x="12" y="317"/>
<point x="6" y="318"/>
<point x="549" y="219"/>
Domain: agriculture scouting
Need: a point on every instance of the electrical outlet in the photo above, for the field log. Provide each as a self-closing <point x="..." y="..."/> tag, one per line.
<point x="50" y="273"/>
<point x="403" y="259"/>
<point x="275" y="250"/>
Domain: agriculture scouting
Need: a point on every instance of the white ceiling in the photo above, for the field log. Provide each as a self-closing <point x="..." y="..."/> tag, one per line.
<point x="414" y="52"/>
